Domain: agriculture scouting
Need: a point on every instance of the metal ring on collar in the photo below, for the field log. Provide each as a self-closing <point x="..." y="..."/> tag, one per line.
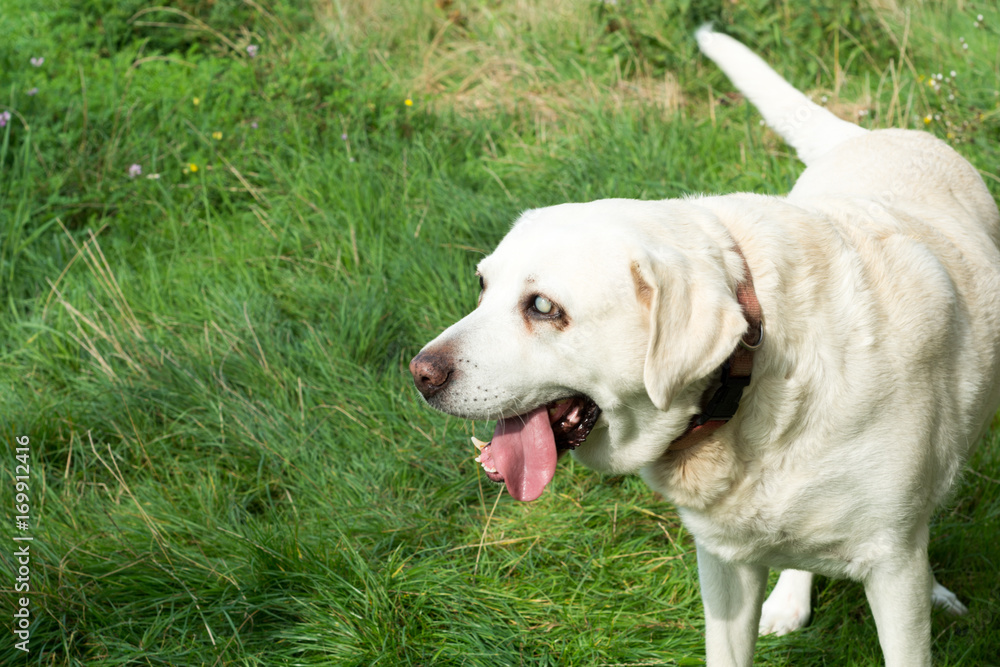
<point x="760" y="339"/>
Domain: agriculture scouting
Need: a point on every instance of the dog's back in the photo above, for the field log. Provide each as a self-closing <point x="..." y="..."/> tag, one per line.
<point x="894" y="160"/>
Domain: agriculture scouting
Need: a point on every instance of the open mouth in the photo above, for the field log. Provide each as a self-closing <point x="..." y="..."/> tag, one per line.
<point x="525" y="448"/>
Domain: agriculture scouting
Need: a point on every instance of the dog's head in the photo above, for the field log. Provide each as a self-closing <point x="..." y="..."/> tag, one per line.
<point x="593" y="323"/>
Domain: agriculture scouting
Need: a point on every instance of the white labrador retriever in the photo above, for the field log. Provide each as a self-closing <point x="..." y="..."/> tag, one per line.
<point x="803" y="376"/>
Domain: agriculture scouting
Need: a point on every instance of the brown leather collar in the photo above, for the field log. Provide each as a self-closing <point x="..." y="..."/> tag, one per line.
<point x="721" y="399"/>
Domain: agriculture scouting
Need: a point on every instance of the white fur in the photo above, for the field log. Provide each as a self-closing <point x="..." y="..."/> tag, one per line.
<point x="879" y="278"/>
<point x="810" y="128"/>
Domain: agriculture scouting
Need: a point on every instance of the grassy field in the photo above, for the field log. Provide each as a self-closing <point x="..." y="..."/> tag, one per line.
<point x="226" y="226"/>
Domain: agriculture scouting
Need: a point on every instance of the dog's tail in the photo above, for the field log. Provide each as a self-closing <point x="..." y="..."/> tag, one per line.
<point x="808" y="127"/>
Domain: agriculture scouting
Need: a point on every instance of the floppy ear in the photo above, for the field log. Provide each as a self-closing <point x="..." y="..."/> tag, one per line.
<point x="695" y="321"/>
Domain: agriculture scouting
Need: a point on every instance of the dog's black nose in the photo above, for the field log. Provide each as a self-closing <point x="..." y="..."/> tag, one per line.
<point x="431" y="371"/>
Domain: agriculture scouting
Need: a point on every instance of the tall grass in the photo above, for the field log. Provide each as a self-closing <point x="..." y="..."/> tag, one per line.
<point x="229" y="462"/>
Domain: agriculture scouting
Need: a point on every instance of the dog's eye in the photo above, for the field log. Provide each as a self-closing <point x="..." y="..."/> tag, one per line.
<point x="539" y="308"/>
<point x="543" y="305"/>
<point x="482" y="283"/>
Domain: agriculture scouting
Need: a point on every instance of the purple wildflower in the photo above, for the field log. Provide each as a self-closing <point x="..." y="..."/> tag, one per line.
<point x="37" y="62"/>
<point x="134" y="170"/>
<point x="32" y="91"/>
<point x="252" y="50"/>
<point x="4" y="118"/>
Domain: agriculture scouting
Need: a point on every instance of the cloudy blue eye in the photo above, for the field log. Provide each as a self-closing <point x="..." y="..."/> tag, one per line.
<point x="543" y="305"/>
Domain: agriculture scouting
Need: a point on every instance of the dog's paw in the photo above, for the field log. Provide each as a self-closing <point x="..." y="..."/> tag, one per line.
<point x="942" y="598"/>
<point x="789" y="605"/>
<point x="784" y="617"/>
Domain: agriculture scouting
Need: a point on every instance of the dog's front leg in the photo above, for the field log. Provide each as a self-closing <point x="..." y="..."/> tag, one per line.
<point x="732" y="595"/>
<point x="899" y="593"/>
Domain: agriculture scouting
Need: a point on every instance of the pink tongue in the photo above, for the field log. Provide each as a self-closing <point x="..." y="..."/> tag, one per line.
<point x="524" y="452"/>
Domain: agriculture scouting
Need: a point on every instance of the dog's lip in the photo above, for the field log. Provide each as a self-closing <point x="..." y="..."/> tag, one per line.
<point x="572" y="419"/>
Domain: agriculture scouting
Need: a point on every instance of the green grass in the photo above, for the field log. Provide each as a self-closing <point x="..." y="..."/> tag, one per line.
<point x="230" y="465"/>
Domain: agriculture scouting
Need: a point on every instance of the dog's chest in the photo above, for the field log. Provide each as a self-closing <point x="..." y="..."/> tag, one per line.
<point x="754" y="537"/>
